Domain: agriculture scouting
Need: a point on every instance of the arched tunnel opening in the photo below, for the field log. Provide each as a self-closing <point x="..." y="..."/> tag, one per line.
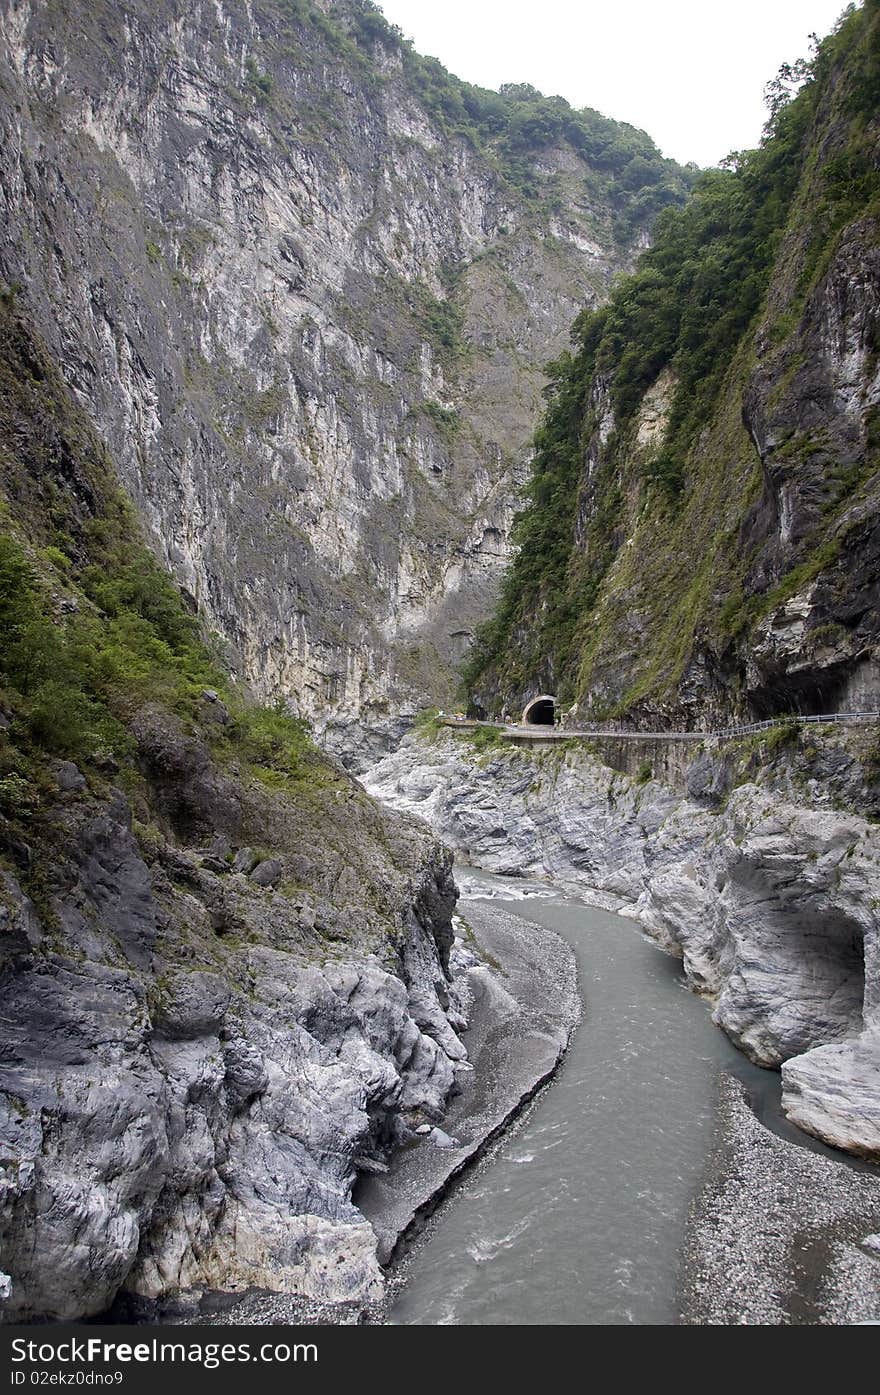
<point x="540" y="712"/>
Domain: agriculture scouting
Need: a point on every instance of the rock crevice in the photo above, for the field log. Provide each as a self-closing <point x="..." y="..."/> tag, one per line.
<point x="185" y="1098"/>
<point x="770" y="904"/>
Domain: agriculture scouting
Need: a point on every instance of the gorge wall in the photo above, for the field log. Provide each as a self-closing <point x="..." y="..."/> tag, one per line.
<point x="762" y="880"/>
<point x="701" y="539"/>
<point x="228" y="980"/>
<point x="304" y="282"/>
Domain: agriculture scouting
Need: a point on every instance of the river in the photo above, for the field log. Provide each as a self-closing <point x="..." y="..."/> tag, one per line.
<point x="579" y="1215"/>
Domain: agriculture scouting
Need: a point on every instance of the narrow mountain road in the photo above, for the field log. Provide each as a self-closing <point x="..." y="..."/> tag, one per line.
<point x="538" y="732"/>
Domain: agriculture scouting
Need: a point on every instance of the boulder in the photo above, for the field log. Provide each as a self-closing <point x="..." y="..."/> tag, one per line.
<point x="69" y="777"/>
<point x="190" y="1004"/>
<point x="268" y="872"/>
<point x="833" y="1093"/>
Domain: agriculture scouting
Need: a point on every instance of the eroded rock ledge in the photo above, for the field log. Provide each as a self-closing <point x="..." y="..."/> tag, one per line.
<point x="772" y="905"/>
<point x="204" y="1044"/>
<point x="520" y="1016"/>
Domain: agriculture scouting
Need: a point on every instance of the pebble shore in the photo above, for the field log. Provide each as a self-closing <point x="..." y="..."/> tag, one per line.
<point x="780" y="1235"/>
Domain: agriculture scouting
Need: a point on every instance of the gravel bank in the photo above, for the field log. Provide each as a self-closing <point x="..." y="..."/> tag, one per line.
<point x="777" y="1237"/>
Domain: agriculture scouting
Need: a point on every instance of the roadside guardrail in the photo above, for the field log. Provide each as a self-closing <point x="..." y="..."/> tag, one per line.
<point x="559" y="733"/>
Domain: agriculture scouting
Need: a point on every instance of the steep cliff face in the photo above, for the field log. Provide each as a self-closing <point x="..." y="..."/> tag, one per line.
<point x="230" y="984"/>
<point x="227" y="980"/>
<point x="770" y="903"/>
<point x="701" y="537"/>
<point x="196" y="1063"/>
<point x="291" y="286"/>
<point x="304" y="283"/>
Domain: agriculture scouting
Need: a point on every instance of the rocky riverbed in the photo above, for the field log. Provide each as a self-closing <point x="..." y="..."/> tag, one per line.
<point x="780" y="1235"/>
<point x="654" y="1181"/>
<point x="770" y="901"/>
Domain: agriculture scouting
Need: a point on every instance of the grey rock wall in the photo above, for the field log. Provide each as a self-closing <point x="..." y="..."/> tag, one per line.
<point x="771" y="904"/>
<point x="309" y="324"/>
<point x="195" y="1066"/>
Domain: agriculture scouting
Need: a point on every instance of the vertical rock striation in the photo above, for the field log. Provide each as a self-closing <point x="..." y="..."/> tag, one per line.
<point x="771" y="905"/>
<point x="307" y="308"/>
<point x="183" y="1109"/>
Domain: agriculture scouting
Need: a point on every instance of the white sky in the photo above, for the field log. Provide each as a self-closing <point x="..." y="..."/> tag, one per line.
<point x="689" y="72"/>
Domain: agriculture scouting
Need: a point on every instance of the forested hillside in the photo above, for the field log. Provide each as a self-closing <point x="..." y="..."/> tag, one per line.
<point x="699" y="535"/>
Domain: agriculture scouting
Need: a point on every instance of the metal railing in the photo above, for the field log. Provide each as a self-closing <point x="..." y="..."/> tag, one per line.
<point x="541" y="733"/>
<point x="844" y="718"/>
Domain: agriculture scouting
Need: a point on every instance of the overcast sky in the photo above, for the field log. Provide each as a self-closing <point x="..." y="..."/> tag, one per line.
<point x="689" y="72"/>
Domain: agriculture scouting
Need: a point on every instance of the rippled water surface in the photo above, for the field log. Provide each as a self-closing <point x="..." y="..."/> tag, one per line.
<point x="580" y="1215"/>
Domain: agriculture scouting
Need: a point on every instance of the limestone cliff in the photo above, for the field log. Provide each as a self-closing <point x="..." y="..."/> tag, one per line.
<point x="700" y="539"/>
<point x="747" y="870"/>
<point x="227" y="979"/>
<point x="304" y="282"/>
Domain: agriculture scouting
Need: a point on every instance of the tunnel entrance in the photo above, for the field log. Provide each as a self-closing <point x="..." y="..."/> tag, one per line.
<point x="540" y="712"/>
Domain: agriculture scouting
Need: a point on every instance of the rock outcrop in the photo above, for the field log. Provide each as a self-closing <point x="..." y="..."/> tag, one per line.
<point x="519" y="1024"/>
<point x="772" y="905"/>
<point x="701" y="535"/>
<point x="306" y="292"/>
<point x="187" y="1097"/>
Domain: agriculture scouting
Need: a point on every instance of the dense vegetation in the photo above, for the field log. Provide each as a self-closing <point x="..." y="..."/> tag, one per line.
<point x="693" y="298"/>
<point x="70" y="682"/>
<point x="92" y="629"/>
<point x="515" y="124"/>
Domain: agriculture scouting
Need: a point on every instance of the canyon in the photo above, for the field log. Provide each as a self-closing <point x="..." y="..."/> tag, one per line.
<point x="264" y="253"/>
<point x="770" y="904"/>
<point x="335" y="391"/>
